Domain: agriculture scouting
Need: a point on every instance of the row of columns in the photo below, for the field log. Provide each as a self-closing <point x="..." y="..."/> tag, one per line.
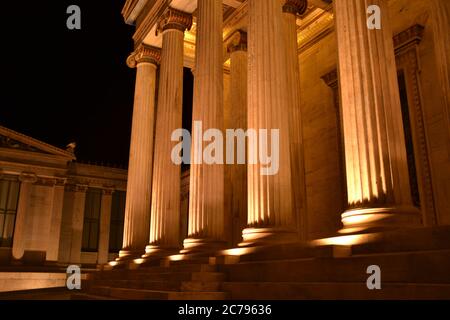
<point x="270" y="198"/>
<point x="75" y="205"/>
<point x="72" y="222"/>
<point x="27" y="181"/>
<point x="376" y="166"/>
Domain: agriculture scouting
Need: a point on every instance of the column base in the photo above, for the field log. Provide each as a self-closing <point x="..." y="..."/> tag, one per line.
<point x="159" y="251"/>
<point x="367" y="220"/>
<point x="127" y="255"/>
<point x="267" y="236"/>
<point x="152" y="257"/>
<point x="125" y="258"/>
<point x="196" y="245"/>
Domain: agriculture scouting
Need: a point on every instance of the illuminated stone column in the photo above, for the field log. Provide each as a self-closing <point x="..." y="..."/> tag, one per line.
<point x="26" y="183"/>
<point x="77" y="202"/>
<point x="165" y="210"/>
<point x="236" y="118"/>
<point x="379" y="194"/>
<point x="440" y="21"/>
<point x="206" y="205"/>
<point x="137" y="209"/>
<point x="56" y="219"/>
<point x="105" y="225"/>
<point x="291" y="8"/>
<point x="271" y="217"/>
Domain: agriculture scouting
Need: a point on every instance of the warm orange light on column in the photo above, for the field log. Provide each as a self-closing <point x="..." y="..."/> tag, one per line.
<point x="379" y="194"/>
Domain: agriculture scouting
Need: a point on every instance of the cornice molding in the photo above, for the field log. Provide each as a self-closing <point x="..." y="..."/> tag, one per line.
<point x="150" y="20"/>
<point x="15" y="140"/>
<point x="411" y="36"/>
<point x="132" y="9"/>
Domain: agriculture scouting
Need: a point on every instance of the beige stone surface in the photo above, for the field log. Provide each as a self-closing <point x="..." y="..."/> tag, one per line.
<point x="403" y="14"/>
<point x="324" y="193"/>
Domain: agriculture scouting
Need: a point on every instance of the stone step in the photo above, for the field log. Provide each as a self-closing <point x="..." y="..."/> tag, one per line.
<point x="409" y="267"/>
<point x="140" y="294"/>
<point x="200" y="286"/>
<point x="180" y="268"/>
<point x="420" y="239"/>
<point x="128" y="294"/>
<point x="139" y="284"/>
<point x="332" y="291"/>
<point x="124" y="273"/>
<point x="190" y="260"/>
<point x="199" y="296"/>
<point x="278" y="252"/>
<point x="139" y="275"/>
<point x="208" y="276"/>
<point x="153" y="276"/>
<point x="85" y="296"/>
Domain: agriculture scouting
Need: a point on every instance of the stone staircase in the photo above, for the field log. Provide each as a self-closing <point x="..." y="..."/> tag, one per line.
<point x="413" y="266"/>
<point x="181" y="280"/>
<point x="407" y="275"/>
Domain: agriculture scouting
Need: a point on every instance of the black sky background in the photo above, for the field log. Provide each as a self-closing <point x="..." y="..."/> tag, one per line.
<point x="61" y="85"/>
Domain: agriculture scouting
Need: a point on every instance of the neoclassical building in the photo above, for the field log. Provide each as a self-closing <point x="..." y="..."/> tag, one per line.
<point x="364" y="156"/>
<point x="54" y="212"/>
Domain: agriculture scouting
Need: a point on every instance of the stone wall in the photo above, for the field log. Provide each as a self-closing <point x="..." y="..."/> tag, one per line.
<point x="324" y="187"/>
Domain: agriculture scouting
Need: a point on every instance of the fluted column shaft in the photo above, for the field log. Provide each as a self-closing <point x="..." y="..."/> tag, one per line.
<point x="137" y="208"/>
<point x="56" y="218"/>
<point x="165" y="210"/>
<point x="270" y="213"/>
<point x="19" y="237"/>
<point x="440" y="21"/>
<point x="291" y="9"/>
<point x="206" y="205"/>
<point x="378" y="186"/>
<point x="105" y="224"/>
<point x="236" y="118"/>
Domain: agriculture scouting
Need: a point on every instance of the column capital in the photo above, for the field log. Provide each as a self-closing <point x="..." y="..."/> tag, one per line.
<point x="108" y="191"/>
<point x="76" y="188"/>
<point x="144" y="53"/>
<point x="60" y="182"/>
<point x="237" y="42"/>
<point x="174" y="19"/>
<point x="29" y="177"/>
<point x="295" y="6"/>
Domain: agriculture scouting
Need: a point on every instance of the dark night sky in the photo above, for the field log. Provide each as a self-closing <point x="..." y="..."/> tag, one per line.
<point x="61" y="85"/>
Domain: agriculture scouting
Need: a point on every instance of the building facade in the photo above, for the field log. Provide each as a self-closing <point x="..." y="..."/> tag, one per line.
<point x="363" y="119"/>
<point x="54" y="210"/>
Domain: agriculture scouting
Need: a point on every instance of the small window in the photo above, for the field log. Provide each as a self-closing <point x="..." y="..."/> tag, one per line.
<point x="117" y="221"/>
<point x="9" y="197"/>
<point x="91" y="224"/>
